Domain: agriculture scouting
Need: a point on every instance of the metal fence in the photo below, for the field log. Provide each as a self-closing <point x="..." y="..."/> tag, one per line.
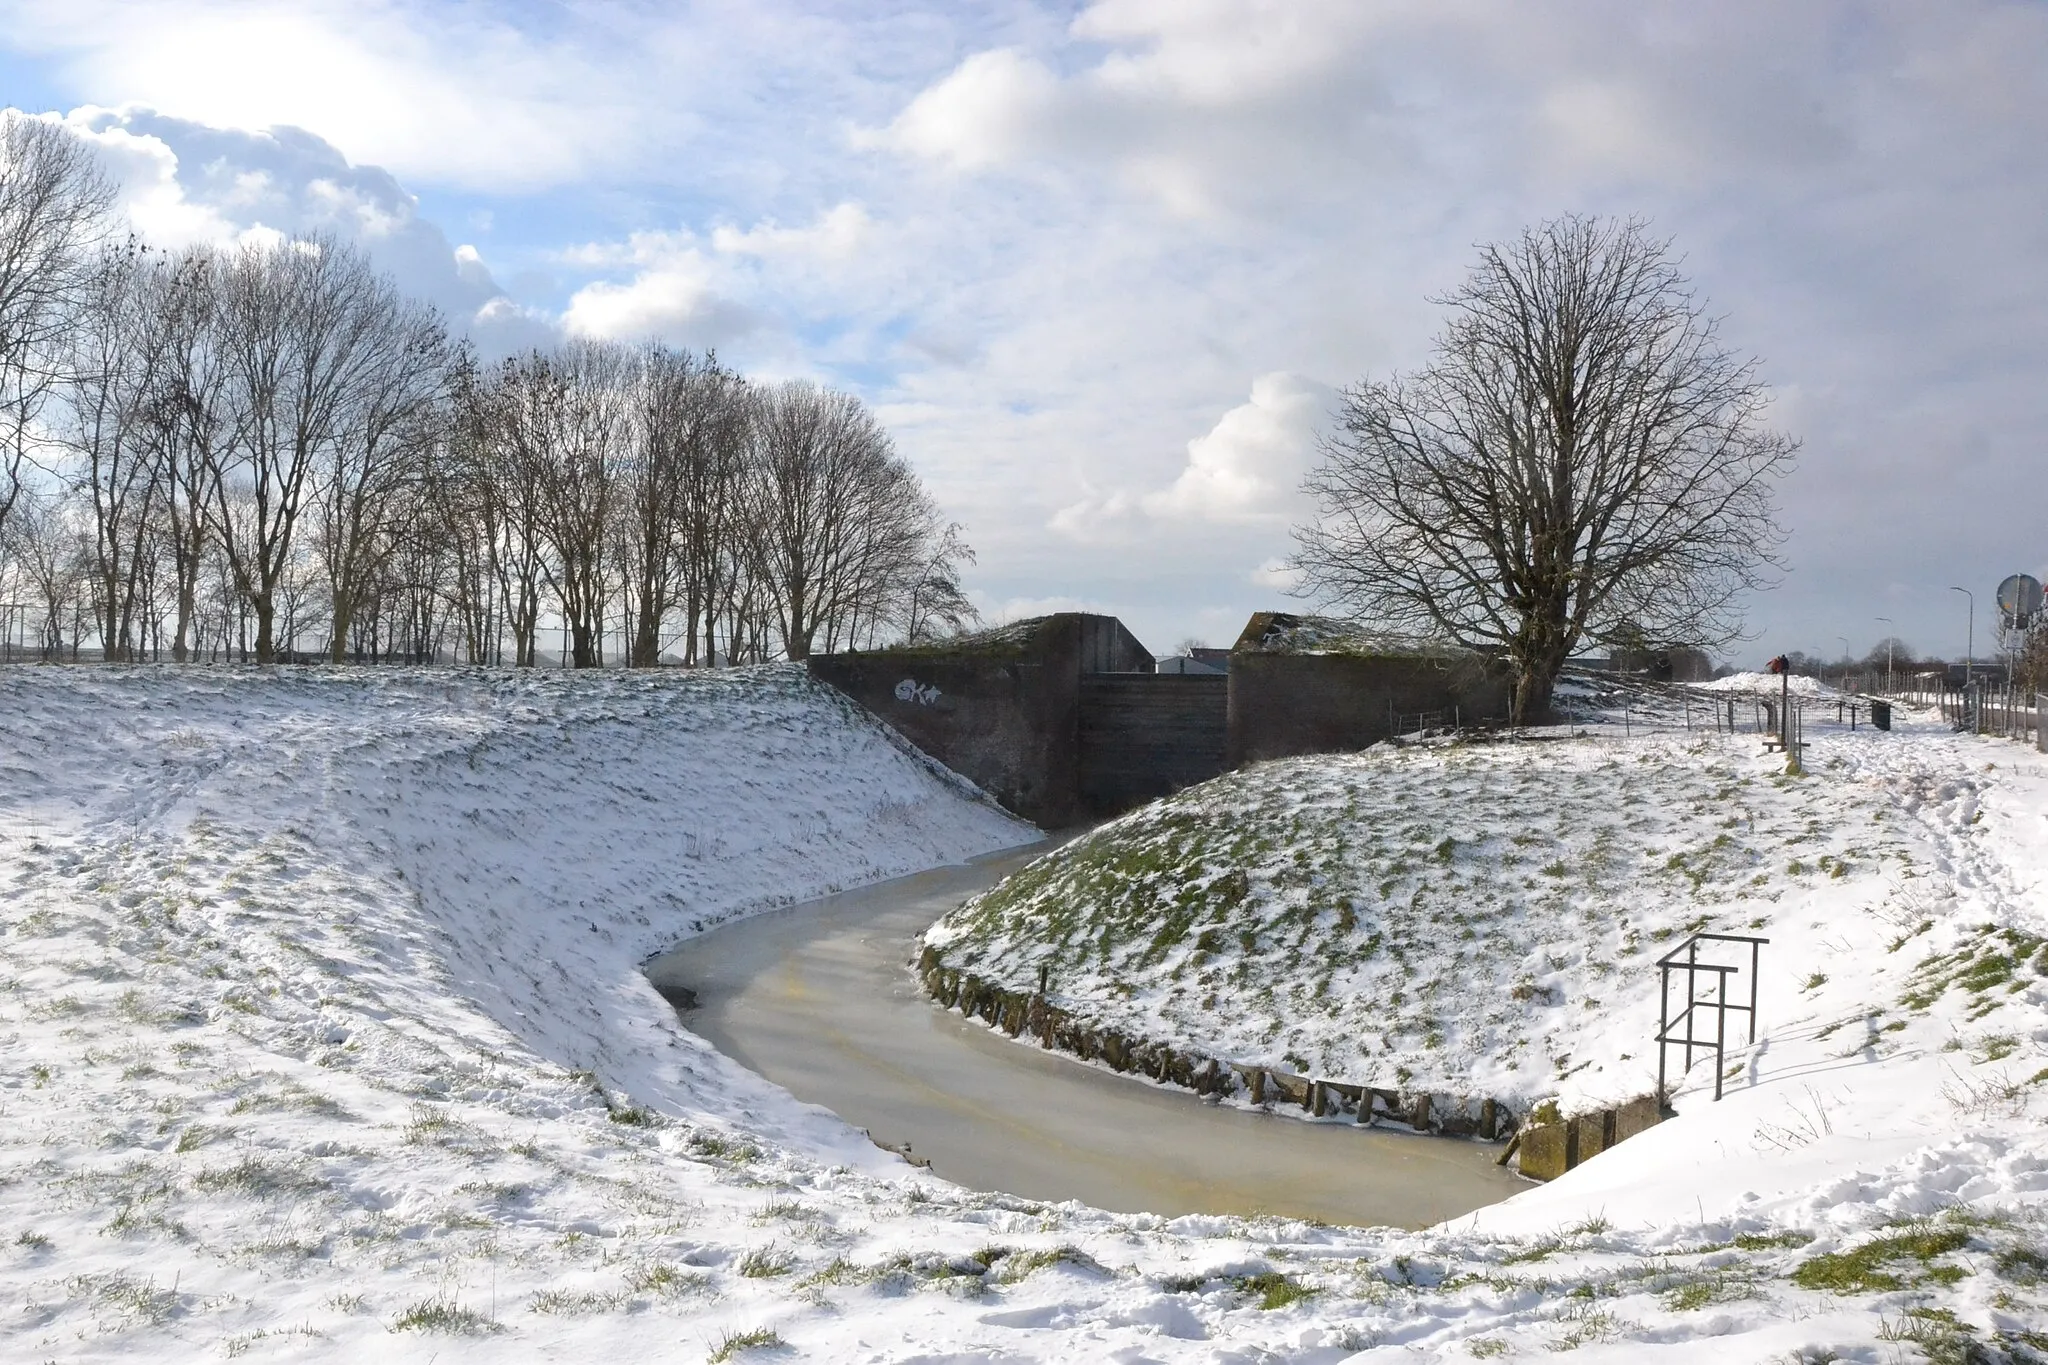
<point x="1686" y="958"/>
<point x="2002" y="710"/>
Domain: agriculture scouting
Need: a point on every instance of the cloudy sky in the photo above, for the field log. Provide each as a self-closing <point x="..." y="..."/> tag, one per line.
<point x="1101" y="267"/>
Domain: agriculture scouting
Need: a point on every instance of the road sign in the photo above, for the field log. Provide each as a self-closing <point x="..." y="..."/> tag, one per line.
<point x="2019" y="598"/>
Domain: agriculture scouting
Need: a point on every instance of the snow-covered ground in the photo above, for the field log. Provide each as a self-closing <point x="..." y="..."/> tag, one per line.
<point x="1481" y="919"/>
<point x="320" y="1036"/>
<point x="1769" y="685"/>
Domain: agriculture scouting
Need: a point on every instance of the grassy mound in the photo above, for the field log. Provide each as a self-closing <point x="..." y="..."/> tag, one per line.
<point x="1469" y="920"/>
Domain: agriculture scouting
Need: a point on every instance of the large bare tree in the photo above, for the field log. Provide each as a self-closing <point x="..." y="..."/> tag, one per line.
<point x="53" y="207"/>
<point x="842" y="521"/>
<point x="689" y="439"/>
<point x="1582" y="459"/>
<point x="112" y="363"/>
<point x="571" y="418"/>
<point x="369" y="486"/>
<point x="188" y="424"/>
<point x="300" y="329"/>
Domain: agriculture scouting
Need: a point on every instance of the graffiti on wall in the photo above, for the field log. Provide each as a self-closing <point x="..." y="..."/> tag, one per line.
<point x="910" y="689"/>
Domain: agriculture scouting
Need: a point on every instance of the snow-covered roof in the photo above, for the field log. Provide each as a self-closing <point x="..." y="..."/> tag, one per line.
<point x="1279" y="632"/>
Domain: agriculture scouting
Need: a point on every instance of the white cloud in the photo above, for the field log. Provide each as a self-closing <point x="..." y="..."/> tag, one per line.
<point x="836" y="236"/>
<point x="674" y="294"/>
<point x="1275" y="575"/>
<point x="987" y="111"/>
<point x="365" y="217"/>
<point x="1244" y="472"/>
<point x="700" y="292"/>
<point x="1025" y="608"/>
<point x="457" y="94"/>
<point x="1202" y="107"/>
<point x="1248" y="467"/>
<point x="1100" y="516"/>
<point x="145" y="174"/>
<point x="183" y="182"/>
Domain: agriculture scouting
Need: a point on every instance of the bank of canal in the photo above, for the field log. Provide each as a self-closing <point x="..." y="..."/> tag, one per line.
<point x="820" y="999"/>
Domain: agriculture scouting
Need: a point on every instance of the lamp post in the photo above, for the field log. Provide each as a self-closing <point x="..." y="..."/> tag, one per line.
<point x="1971" y="648"/>
<point x="1891" y="638"/>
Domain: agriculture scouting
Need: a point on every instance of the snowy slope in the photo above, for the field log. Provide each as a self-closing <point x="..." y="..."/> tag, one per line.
<point x="1483" y="919"/>
<point x="320" y="1039"/>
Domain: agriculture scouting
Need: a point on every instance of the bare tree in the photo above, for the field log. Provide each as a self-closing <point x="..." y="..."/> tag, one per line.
<point x="933" y="602"/>
<point x="460" y="512"/>
<point x="298" y="328"/>
<point x="376" y="459"/>
<point x="2029" y="659"/>
<point x="53" y="207"/>
<point x="49" y="550"/>
<point x="570" y="418"/>
<point x="713" y="531"/>
<point x="1582" y="452"/>
<point x="689" y="441"/>
<point x="495" y="495"/>
<point x="266" y="443"/>
<point x="843" y="520"/>
<point x="107" y="370"/>
<point x="187" y="418"/>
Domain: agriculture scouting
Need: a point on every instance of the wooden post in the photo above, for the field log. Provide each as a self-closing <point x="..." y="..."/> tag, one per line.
<point x="1258" y="1085"/>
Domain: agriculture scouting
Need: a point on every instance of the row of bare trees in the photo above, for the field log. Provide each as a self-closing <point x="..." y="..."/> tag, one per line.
<point x="271" y="451"/>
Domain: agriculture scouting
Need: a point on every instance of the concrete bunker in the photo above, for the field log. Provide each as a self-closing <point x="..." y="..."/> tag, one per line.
<point x="1067" y="717"/>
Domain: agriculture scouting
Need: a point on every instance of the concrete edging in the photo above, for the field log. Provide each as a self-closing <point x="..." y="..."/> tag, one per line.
<point x="1019" y="1012"/>
<point x="1546" y="1149"/>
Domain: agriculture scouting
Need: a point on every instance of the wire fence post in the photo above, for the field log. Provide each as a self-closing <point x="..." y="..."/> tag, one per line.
<point x="1720" y="1031"/>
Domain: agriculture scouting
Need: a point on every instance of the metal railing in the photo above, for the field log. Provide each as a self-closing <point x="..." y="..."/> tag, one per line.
<point x="1668" y="1024"/>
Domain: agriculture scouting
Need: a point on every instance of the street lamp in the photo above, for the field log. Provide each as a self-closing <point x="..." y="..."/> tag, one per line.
<point x="1890" y="639"/>
<point x="1972" y="648"/>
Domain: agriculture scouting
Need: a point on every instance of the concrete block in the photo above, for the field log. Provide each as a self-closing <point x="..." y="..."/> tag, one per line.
<point x="1542" y="1154"/>
<point x="1635" y="1116"/>
<point x="1594" y="1132"/>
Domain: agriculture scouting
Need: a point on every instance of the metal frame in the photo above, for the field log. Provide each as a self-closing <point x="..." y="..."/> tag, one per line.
<point x="1718" y="1002"/>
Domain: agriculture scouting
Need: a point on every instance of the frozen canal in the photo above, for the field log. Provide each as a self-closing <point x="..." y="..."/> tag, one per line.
<point x="819" y="999"/>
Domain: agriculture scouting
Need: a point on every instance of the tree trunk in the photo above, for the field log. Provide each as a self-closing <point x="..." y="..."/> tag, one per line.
<point x="186" y="603"/>
<point x="646" y="651"/>
<point x="344" y="622"/>
<point x="1533" y="688"/>
<point x="798" y="638"/>
<point x="266" y="615"/>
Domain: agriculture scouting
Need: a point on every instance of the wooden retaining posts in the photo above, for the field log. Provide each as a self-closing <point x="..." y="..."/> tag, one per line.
<point x="1020" y="1012"/>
